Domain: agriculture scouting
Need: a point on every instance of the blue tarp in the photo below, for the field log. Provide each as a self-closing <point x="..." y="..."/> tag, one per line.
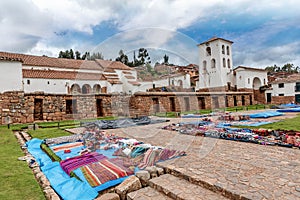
<point x="266" y="114"/>
<point x="289" y="110"/>
<point x="192" y="116"/>
<point x="68" y="188"/>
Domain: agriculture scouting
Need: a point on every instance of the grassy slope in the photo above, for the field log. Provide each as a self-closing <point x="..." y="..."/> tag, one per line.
<point x="16" y="178"/>
<point x="287" y="124"/>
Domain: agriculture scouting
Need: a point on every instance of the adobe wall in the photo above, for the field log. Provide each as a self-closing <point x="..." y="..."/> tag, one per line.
<point x="282" y="99"/>
<point x="17" y="107"/>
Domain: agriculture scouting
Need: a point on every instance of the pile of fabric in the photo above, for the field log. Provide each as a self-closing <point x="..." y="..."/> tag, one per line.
<point x="223" y="130"/>
<point x="102" y="159"/>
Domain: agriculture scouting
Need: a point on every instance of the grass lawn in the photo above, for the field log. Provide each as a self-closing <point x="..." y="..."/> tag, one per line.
<point x="287" y="124"/>
<point x="16" y="178"/>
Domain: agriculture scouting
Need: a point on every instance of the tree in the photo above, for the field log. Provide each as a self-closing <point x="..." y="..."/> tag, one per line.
<point x="77" y="55"/>
<point x="289" y="68"/>
<point x="123" y="58"/>
<point x="143" y="57"/>
<point x="166" y="59"/>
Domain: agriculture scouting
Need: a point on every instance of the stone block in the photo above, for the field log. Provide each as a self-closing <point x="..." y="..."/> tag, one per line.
<point x="108" y="196"/>
<point x="152" y="170"/>
<point x="129" y="185"/>
<point x="144" y="177"/>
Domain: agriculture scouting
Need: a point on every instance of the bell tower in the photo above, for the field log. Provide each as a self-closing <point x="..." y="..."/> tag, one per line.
<point x="215" y="64"/>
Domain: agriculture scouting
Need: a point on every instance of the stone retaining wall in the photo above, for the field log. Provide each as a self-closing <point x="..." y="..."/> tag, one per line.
<point x="17" y="107"/>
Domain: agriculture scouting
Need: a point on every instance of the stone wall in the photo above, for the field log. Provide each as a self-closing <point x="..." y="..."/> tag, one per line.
<point x="259" y="96"/>
<point x="17" y="107"/>
<point x="282" y="99"/>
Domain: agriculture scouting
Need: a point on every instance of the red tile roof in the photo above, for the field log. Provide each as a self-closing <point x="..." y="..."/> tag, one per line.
<point x="10" y="59"/>
<point x="130" y="77"/>
<point x="53" y="74"/>
<point x="134" y="83"/>
<point x="289" y="79"/>
<point x="30" y="60"/>
<point x="215" y="38"/>
<point x="113" y="64"/>
<point x="249" y="68"/>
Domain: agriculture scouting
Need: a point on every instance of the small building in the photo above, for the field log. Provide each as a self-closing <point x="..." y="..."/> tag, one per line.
<point x="284" y="90"/>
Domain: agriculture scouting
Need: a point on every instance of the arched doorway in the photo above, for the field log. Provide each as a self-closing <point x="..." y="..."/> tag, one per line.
<point x="97" y="89"/>
<point x="75" y="89"/>
<point x="180" y="83"/>
<point x="86" y="89"/>
<point x="256" y="83"/>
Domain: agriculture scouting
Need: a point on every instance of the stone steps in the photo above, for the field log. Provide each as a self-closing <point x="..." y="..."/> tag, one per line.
<point x="147" y="193"/>
<point x="181" y="189"/>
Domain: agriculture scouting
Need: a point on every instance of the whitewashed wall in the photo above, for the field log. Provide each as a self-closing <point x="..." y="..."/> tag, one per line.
<point x="10" y="76"/>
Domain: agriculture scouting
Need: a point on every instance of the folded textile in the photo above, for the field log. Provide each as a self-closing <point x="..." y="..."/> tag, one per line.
<point x="67" y="146"/>
<point x="150" y="158"/>
<point x="166" y="154"/>
<point x="71" y="164"/>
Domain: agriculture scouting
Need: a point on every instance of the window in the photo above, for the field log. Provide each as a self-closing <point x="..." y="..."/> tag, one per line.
<point x="48" y="82"/>
<point x="71" y="106"/>
<point x="213" y="63"/>
<point x="224" y="62"/>
<point x="223" y="49"/>
<point x="28" y="82"/>
<point x="264" y="81"/>
<point x="281" y="95"/>
<point x="248" y="80"/>
<point x="187" y="103"/>
<point x="227" y="48"/>
<point x="228" y="63"/>
<point x="208" y="51"/>
<point x="204" y="65"/>
<point x="281" y="85"/>
<point x="297" y="87"/>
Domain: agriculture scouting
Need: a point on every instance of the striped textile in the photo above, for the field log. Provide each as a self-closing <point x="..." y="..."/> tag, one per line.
<point x="150" y="158"/>
<point x="67" y="146"/>
<point x="166" y="154"/>
<point x="105" y="170"/>
<point x="71" y="164"/>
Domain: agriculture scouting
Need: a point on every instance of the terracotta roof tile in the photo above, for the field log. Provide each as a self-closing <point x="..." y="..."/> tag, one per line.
<point x="130" y="77"/>
<point x="215" y="38"/>
<point x="134" y="83"/>
<point x="10" y="59"/>
<point x="289" y="79"/>
<point x="30" y="60"/>
<point x="250" y="68"/>
<point x="113" y="64"/>
<point x="52" y="74"/>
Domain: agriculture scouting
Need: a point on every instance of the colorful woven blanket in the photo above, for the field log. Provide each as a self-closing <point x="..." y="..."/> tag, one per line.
<point x="71" y="164"/>
<point x="105" y="170"/>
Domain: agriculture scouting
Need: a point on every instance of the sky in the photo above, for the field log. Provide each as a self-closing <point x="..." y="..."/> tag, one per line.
<point x="264" y="32"/>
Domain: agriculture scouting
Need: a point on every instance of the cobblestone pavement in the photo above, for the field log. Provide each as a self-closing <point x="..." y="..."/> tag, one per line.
<point x="238" y="170"/>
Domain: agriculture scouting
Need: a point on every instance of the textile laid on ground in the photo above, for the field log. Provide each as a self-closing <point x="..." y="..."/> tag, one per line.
<point x="266" y="114"/>
<point x="222" y="130"/>
<point x="67" y="146"/>
<point x="297" y="109"/>
<point x="63" y="139"/>
<point x="122" y="123"/>
<point x="102" y="160"/>
<point x="71" y="164"/>
<point x="105" y="170"/>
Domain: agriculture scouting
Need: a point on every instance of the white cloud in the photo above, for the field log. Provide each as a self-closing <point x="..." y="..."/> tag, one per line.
<point x="39" y="26"/>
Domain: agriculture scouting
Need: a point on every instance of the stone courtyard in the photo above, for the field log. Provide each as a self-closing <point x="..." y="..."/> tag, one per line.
<point x="217" y="169"/>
